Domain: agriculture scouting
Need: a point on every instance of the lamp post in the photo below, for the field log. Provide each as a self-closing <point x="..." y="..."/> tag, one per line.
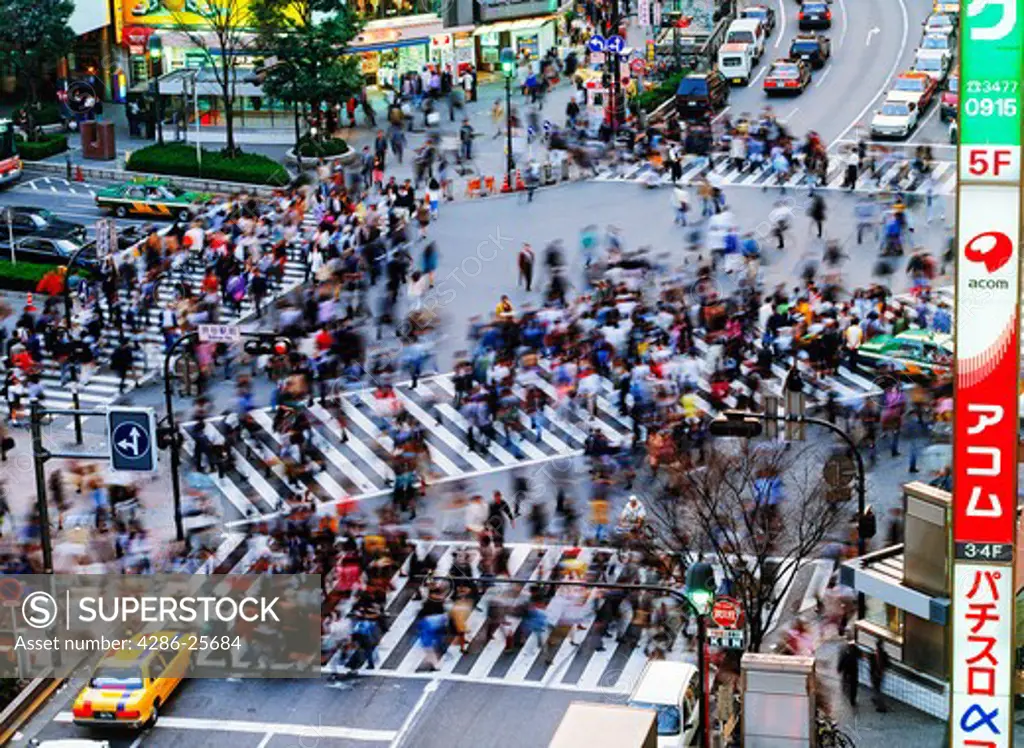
<point x="746" y="424"/>
<point x="68" y="307"/>
<point x="508" y="69"/>
<point x="155" y="48"/>
<point x="700" y="593"/>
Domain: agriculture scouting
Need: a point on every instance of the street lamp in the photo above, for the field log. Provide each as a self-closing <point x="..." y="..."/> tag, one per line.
<point x="155" y="48"/>
<point x="508" y="70"/>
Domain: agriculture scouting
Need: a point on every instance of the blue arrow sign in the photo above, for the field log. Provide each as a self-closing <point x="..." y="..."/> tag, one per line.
<point x="132" y="436"/>
<point x="597" y="43"/>
<point x="615" y="44"/>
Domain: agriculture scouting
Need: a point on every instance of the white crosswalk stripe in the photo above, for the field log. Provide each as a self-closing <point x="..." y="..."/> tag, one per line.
<point x="725" y="174"/>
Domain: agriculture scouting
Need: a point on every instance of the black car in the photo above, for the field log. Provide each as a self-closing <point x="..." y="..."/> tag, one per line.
<point x="48" y="250"/>
<point x="814" y="15"/>
<point x="41" y="223"/>
<point x="814" y="49"/>
<point x="700" y="94"/>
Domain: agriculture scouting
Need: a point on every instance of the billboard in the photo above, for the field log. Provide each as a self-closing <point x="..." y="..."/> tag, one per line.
<point x="987" y="329"/>
<point x="175" y="13"/>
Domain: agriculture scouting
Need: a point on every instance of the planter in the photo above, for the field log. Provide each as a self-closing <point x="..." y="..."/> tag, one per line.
<point x="347" y="158"/>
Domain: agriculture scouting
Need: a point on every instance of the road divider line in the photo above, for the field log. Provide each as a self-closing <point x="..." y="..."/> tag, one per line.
<point x="844" y="25"/>
<point x="782" y="23"/>
<point x="262" y="728"/>
<point x="884" y="87"/>
<point x="410" y="721"/>
<point x="824" y="75"/>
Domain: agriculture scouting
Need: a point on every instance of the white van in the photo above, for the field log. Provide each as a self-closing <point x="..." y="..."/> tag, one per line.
<point x="670" y="689"/>
<point x="736" y="63"/>
<point x="747" y="31"/>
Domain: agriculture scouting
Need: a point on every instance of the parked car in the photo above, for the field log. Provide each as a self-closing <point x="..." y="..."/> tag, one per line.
<point x="699" y="95"/>
<point x="39" y="222"/>
<point x="814" y="49"/>
<point x="48" y="250"/>
<point x="940" y="23"/>
<point x="914" y="86"/>
<point x="942" y="42"/>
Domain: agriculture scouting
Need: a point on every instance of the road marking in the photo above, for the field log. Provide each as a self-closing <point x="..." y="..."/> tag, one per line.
<point x="871" y="33"/>
<point x="782" y="23"/>
<point x="785" y="120"/>
<point x="428" y="691"/>
<point x="824" y="75"/>
<point x="138" y="741"/>
<point x="764" y="69"/>
<point x="920" y="125"/>
<point x="842" y="34"/>
<point x="266" y="739"/>
<point x="721" y="114"/>
<point x="33" y="185"/>
<point x="892" y="71"/>
<point x="262" y="728"/>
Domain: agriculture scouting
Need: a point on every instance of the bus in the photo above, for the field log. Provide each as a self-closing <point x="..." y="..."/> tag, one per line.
<point x="10" y="162"/>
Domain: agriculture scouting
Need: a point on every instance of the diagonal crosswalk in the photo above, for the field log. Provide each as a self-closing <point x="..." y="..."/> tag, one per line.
<point x="724" y="173"/>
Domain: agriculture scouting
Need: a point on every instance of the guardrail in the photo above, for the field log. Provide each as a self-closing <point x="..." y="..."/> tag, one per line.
<point x="25" y="704"/>
<point x="188" y="183"/>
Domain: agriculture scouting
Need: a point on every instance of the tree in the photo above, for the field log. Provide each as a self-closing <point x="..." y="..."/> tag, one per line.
<point x="305" y="41"/>
<point x="225" y="26"/>
<point x="34" y="36"/>
<point x="760" y="512"/>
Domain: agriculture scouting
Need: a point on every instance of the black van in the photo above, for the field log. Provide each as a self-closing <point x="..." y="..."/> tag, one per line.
<point x="700" y="94"/>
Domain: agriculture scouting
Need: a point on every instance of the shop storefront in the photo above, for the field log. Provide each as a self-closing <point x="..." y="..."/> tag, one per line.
<point x="532" y="36"/>
<point x="454" y="48"/>
<point x="389" y="49"/>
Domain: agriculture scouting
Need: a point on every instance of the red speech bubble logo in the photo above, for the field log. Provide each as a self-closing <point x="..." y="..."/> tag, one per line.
<point x="993" y="248"/>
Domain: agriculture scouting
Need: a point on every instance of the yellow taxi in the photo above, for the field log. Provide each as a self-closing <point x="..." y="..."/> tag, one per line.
<point x="130" y="685"/>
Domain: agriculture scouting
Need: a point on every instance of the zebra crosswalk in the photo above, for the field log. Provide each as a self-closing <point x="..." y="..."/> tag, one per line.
<point x="99" y="388"/>
<point x="725" y="173"/>
<point x="355" y="462"/>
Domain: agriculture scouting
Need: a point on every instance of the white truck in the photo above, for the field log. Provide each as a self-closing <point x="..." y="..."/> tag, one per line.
<point x="736" y="62"/>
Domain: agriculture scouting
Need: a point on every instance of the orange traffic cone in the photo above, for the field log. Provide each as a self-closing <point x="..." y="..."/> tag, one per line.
<point x="505" y="185"/>
<point x="520" y="184"/>
<point x="29" y="306"/>
<point x="79" y="176"/>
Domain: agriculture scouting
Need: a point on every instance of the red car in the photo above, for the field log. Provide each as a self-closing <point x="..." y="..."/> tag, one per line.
<point x="787" y="77"/>
<point x="914" y="87"/>
<point x="950" y="101"/>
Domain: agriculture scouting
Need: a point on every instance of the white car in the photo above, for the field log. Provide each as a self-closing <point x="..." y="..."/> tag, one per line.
<point x="670" y="690"/>
<point x="896" y="119"/>
<point x="940" y="23"/>
<point x="934" y="62"/>
<point x="943" y="42"/>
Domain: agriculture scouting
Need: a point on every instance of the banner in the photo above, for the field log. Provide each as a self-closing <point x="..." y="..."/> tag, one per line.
<point x="987" y="334"/>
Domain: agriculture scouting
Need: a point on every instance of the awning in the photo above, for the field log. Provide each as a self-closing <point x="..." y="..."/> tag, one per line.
<point x="519" y="24"/>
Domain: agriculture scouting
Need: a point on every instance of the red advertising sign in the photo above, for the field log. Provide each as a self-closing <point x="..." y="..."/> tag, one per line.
<point x="727" y="613"/>
<point x="987" y="332"/>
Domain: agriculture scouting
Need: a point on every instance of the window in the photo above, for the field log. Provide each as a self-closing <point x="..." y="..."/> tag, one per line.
<point x="669" y="720"/>
<point x="741" y="37"/>
<point x="895" y="109"/>
<point x="692" y="87"/>
<point x="157" y="665"/>
<point x="909" y="84"/>
<point x="732" y="62"/>
<point x="124" y="678"/>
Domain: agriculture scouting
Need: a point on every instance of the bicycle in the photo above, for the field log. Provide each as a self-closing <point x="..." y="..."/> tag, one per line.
<point x="829" y="734"/>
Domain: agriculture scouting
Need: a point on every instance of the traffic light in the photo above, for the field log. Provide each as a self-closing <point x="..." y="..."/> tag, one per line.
<point x="508" y="62"/>
<point x="268" y="345"/>
<point x="701" y="586"/>
<point x="736" y="425"/>
<point x="166" y="437"/>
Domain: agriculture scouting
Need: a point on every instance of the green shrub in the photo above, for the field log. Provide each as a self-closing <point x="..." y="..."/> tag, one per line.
<point x="652" y="99"/>
<point x="21" y="275"/>
<point x="178" y="159"/>
<point x="46" y="146"/>
<point x="46" y="113"/>
<point x="322" y="148"/>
